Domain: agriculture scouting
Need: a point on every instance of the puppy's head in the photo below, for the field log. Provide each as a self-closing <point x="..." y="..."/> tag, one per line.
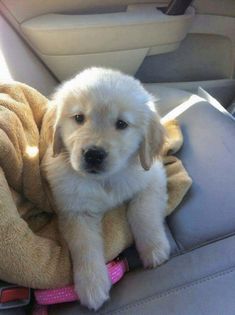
<point x="104" y="120"/>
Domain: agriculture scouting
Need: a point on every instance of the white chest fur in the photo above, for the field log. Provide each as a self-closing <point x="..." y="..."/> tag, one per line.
<point x="84" y="194"/>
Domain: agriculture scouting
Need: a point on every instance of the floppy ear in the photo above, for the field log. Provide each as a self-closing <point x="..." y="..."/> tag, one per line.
<point x="57" y="141"/>
<point x="152" y="142"/>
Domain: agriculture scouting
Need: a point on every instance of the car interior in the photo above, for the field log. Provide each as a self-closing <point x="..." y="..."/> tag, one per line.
<point x="185" y="58"/>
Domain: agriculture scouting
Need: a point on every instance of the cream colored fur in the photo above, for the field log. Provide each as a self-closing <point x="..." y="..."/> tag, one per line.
<point x="131" y="173"/>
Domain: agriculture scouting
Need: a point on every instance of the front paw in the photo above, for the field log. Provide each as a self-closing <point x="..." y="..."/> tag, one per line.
<point x="155" y="253"/>
<point x="92" y="287"/>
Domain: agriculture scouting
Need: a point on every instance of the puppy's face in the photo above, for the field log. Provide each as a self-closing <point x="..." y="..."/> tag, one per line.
<point x="104" y="119"/>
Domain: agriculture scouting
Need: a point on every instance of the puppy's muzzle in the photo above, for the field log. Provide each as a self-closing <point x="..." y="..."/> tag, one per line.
<point x="94" y="158"/>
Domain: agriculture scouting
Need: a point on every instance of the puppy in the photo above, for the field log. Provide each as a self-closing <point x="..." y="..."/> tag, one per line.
<point x="107" y="137"/>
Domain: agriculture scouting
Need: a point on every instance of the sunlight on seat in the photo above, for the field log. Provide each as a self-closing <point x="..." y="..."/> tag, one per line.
<point x="32" y="152"/>
<point x="5" y="74"/>
<point x="182" y="108"/>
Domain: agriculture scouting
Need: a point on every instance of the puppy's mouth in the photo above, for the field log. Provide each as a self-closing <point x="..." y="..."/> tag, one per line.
<point x="94" y="170"/>
<point x="90" y="171"/>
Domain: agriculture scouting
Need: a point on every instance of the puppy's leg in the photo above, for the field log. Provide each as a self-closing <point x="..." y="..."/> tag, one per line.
<point x="91" y="279"/>
<point x="146" y="217"/>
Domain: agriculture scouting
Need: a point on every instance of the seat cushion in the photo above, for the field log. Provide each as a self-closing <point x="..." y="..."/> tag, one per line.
<point x="208" y="154"/>
<point x="167" y="98"/>
<point x="207" y="213"/>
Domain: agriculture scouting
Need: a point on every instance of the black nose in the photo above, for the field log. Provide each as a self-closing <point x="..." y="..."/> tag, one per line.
<point x="94" y="156"/>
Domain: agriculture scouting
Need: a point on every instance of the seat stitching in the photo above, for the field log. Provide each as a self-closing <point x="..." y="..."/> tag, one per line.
<point x="173" y="290"/>
<point x="206" y="243"/>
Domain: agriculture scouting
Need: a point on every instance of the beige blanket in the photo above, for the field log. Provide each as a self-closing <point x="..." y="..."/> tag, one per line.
<point x="31" y="250"/>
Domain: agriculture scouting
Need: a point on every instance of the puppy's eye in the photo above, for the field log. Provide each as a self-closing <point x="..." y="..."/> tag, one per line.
<point x="80" y="118"/>
<point x="121" y="124"/>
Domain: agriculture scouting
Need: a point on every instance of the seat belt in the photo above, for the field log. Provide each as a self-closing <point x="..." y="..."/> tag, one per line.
<point x="12" y="295"/>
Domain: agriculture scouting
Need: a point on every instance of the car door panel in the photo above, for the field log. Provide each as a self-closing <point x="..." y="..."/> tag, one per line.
<point x="70" y="36"/>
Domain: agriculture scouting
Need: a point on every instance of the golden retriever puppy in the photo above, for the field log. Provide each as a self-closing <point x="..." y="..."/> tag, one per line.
<point x="107" y="137"/>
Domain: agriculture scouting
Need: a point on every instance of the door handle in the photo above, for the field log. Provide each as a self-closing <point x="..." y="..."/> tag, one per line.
<point x="176" y="7"/>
